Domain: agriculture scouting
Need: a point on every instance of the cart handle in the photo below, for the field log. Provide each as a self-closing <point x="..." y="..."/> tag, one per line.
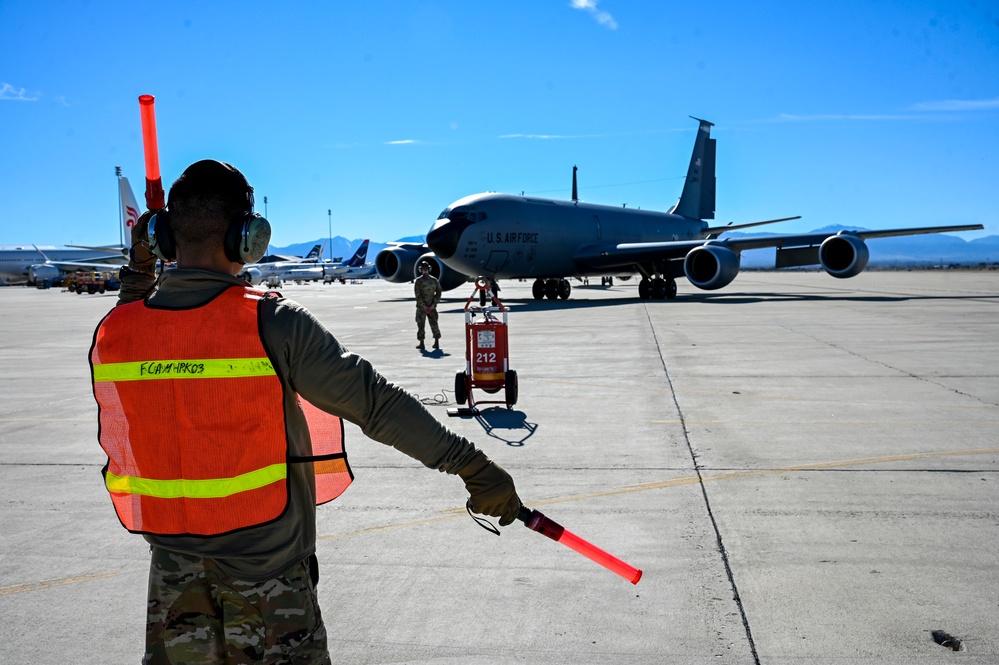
<point x="482" y="284"/>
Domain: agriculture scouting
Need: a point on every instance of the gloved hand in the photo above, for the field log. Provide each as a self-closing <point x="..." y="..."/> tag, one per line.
<point x="490" y="489"/>
<point x="140" y="259"/>
<point x="138" y="277"/>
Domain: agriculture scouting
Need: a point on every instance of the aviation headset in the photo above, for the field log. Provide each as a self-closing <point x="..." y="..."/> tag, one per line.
<point x="246" y="237"/>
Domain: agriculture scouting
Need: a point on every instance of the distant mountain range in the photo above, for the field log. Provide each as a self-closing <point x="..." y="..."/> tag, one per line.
<point x="934" y="249"/>
<point x="930" y="249"/>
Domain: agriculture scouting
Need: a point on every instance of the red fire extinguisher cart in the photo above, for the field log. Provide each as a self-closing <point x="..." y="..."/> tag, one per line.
<point x="487" y="353"/>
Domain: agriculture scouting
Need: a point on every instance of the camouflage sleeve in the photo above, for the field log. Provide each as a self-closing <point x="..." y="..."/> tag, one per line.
<point x="345" y="384"/>
<point x="437" y="292"/>
<point x="135" y="285"/>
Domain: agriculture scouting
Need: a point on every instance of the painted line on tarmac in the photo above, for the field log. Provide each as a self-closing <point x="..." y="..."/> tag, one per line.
<point x="48" y="584"/>
<point x="456" y="513"/>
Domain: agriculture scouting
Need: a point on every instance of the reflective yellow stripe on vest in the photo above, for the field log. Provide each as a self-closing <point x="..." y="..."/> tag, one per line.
<point x="196" y="489"/>
<point x="218" y="368"/>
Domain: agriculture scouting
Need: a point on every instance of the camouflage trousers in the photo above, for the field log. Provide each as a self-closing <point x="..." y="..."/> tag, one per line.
<point x="421" y="318"/>
<point x="198" y="615"/>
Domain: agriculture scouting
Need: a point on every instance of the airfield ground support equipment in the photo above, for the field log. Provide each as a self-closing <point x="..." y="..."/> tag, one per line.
<point x="487" y="357"/>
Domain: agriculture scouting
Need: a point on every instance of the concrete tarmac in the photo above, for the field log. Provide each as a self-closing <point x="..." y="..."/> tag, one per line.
<point x="805" y="468"/>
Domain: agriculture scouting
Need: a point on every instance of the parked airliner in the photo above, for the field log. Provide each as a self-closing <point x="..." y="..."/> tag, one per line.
<point x="504" y="236"/>
<point x="44" y="265"/>
<point x="308" y="269"/>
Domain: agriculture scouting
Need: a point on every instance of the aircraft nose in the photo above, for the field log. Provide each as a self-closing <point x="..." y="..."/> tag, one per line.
<point x="443" y="237"/>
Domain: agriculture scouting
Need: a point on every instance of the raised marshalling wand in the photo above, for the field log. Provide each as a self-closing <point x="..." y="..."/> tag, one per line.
<point x="154" y="183"/>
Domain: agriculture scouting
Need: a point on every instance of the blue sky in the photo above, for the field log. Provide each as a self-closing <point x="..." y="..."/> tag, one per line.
<point x="873" y="113"/>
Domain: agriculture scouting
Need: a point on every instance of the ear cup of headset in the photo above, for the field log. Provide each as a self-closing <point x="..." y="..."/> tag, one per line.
<point x="247" y="238"/>
<point x="160" y="236"/>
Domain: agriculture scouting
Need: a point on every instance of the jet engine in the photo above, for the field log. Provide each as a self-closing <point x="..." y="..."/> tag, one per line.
<point x="42" y="273"/>
<point x="396" y="264"/>
<point x="843" y="255"/>
<point x="449" y="279"/>
<point x="711" y="267"/>
<point x="252" y="275"/>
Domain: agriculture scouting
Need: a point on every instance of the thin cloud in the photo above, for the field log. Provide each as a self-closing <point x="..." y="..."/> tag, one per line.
<point x="600" y="16"/>
<point x="788" y="117"/>
<point x="403" y="142"/>
<point x="533" y="136"/>
<point x="959" y="105"/>
<point x="9" y="92"/>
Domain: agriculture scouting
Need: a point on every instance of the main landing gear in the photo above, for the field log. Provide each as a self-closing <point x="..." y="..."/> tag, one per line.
<point x="552" y="288"/>
<point x="658" y="288"/>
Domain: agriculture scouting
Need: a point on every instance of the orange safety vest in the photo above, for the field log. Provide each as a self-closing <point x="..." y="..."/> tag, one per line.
<point x="191" y="417"/>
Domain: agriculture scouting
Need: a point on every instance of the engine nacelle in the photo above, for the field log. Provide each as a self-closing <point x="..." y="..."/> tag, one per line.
<point x="252" y="275"/>
<point x="449" y="279"/>
<point x="711" y="267"/>
<point x="42" y="273"/>
<point x="843" y="255"/>
<point x="396" y="264"/>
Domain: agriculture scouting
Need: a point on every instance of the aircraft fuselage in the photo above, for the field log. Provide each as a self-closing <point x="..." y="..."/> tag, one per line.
<point x="507" y="236"/>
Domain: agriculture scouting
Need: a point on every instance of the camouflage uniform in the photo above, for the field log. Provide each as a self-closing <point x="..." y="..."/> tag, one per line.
<point x="428" y="294"/>
<point x="198" y="615"/>
<point x="215" y="602"/>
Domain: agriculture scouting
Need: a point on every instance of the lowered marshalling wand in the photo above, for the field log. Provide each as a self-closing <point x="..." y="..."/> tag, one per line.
<point x="535" y="521"/>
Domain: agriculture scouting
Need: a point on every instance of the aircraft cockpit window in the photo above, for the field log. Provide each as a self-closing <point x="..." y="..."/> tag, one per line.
<point x="463" y="215"/>
<point x="444" y="214"/>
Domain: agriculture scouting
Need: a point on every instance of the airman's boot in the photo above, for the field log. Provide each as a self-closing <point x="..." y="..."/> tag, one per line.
<point x="437" y="344"/>
<point x="420" y="346"/>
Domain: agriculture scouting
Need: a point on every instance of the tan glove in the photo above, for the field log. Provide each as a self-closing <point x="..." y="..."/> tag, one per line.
<point x="140" y="259"/>
<point x="138" y="277"/>
<point x="490" y="489"/>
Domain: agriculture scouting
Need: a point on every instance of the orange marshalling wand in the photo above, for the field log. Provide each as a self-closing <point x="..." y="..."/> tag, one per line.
<point x="154" y="184"/>
<point x="535" y="521"/>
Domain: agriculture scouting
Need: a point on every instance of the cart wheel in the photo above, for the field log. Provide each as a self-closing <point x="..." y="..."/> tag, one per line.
<point x="460" y="389"/>
<point x="511" y="387"/>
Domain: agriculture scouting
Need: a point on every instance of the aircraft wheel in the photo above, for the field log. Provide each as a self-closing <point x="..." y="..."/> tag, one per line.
<point x="512" y="388"/>
<point x="659" y="289"/>
<point x="564" y="289"/>
<point x="645" y="289"/>
<point x="670" y="289"/>
<point x="538" y="289"/>
<point x="460" y="388"/>
<point x="551" y="289"/>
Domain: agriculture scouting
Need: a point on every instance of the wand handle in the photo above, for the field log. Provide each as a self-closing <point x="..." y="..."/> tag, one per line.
<point x="535" y="521"/>
<point x="155" y="198"/>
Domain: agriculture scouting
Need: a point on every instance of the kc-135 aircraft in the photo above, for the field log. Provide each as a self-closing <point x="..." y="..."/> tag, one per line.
<point x="504" y="236"/>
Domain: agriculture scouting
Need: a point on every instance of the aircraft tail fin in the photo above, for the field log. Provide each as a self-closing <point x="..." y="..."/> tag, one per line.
<point x="314" y="253"/>
<point x="129" y="208"/>
<point x="697" y="200"/>
<point x="360" y="256"/>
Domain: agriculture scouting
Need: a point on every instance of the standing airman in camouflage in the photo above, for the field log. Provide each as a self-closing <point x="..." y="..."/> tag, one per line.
<point x="428" y="295"/>
<point x="234" y="580"/>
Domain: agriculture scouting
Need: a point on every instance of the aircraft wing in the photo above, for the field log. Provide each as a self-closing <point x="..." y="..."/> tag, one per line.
<point x="72" y="266"/>
<point x="628" y="254"/>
